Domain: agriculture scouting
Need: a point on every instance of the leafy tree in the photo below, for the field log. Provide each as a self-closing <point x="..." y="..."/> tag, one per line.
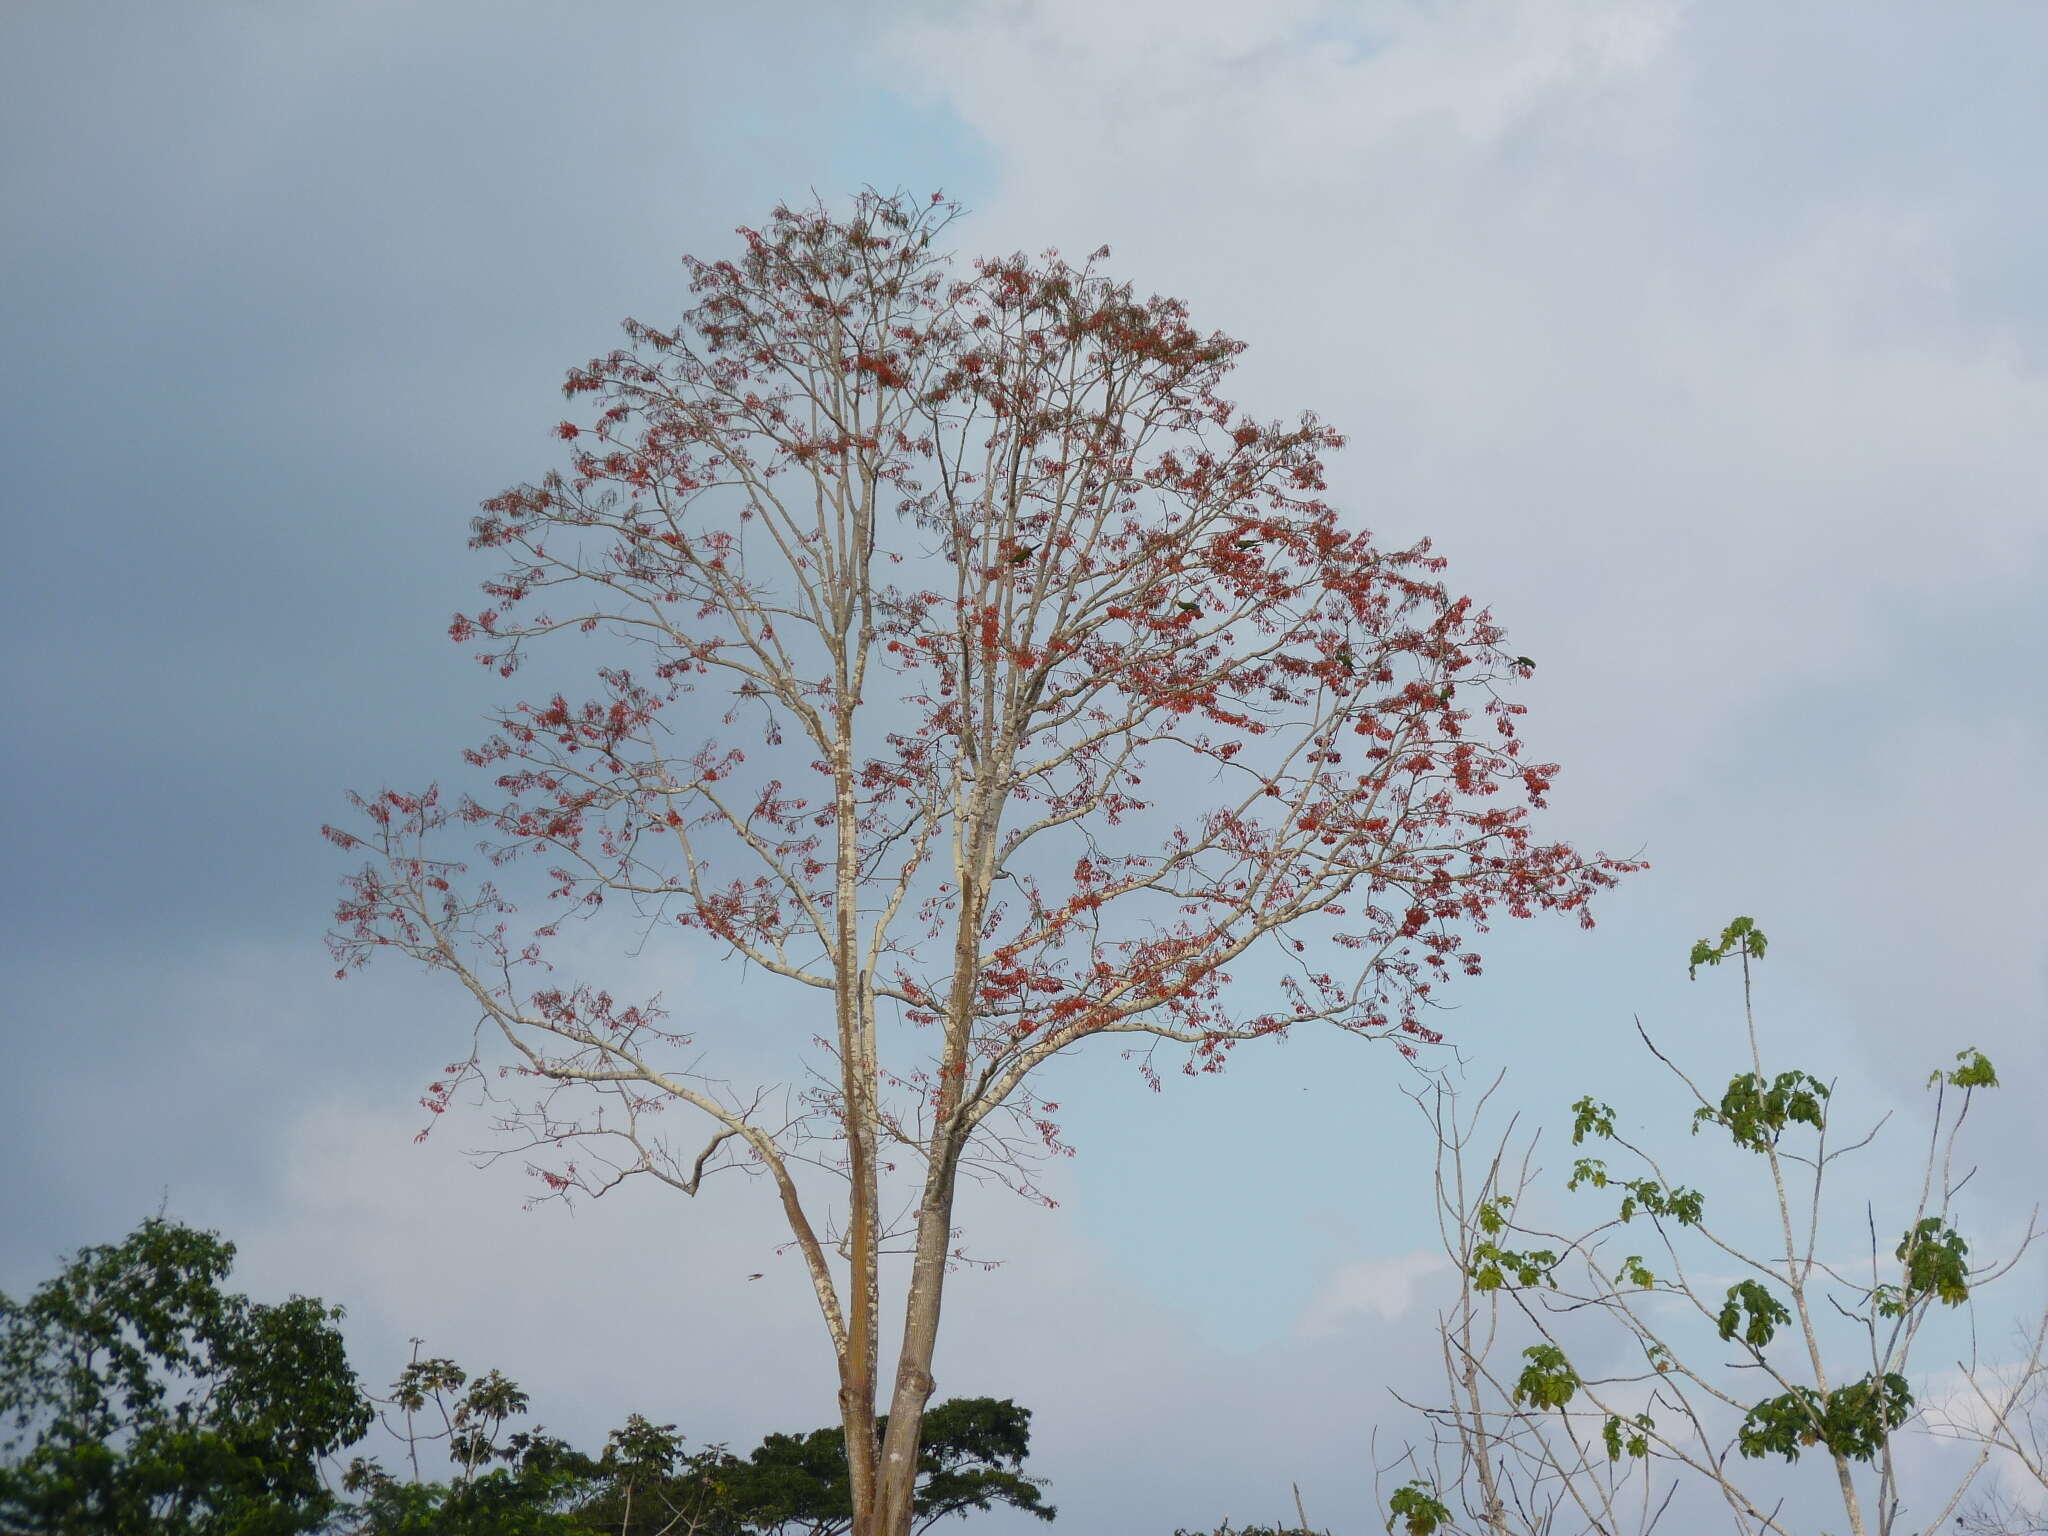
<point x="1075" y="705"/>
<point x="644" y="1484"/>
<point x="970" y="1457"/>
<point x="653" y="1488"/>
<point x="142" y="1399"/>
<point x="540" y="1480"/>
<point x="1538" y="1446"/>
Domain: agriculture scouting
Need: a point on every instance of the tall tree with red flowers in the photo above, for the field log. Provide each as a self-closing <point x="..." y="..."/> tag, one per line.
<point x="1004" y="686"/>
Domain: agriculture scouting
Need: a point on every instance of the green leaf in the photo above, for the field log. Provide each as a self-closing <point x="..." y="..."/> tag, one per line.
<point x="1937" y="1262"/>
<point x="1752" y="1312"/>
<point x="1682" y="1205"/>
<point x="1493" y="1215"/>
<point x="1548" y="1381"/>
<point x="1852" y="1421"/>
<point x="1627" y="1437"/>
<point x="1755" y="1113"/>
<point x="1588" y="1170"/>
<point x="1591" y="1119"/>
<point x="1975" y="1072"/>
<point x="1741" y="937"/>
<point x="1493" y="1267"/>
<point x="1418" y="1508"/>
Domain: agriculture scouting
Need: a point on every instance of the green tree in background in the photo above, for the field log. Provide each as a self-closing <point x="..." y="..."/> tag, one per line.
<point x="137" y="1396"/>
<point x="970" y="1458"/>
<point x="140" y="1398"/>
<point x="530" y="1494"/>
<point x="645" y="1484"/>
<point x="1737" y="1330"/>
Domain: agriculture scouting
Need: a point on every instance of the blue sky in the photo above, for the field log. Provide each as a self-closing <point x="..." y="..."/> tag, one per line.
<point x="1708" y="342"/>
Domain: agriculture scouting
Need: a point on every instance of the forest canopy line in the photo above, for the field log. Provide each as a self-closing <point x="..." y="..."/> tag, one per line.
<point x="999" y="685"/>
<point x="139" y="1397"/>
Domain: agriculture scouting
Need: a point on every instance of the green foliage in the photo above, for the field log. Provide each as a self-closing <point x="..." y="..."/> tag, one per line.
<point x="1547" y="1381"/>
<point x="1741" y="937"/>
<point x="1628" y="1437"/>
<point x="1852" y="1421"/>
<point x="649" y="1485"/>
<point x="1588" y="1170"/>
<point x="1682" y="1205"/>
<point x="1419" y="1510"/>
<point x="1752" y="1312"/>
<point x="145" y="1399"/>
<point x="1494" y="1266"/>
<point x="533" y="1494"/>
<point x="1756" y="1113"/>
<point x="1530" y="1457"/>
<point x="1937" y="1264"/>
<point x="970" y="1458"/>
<point x="1975" y="1072"/>
<point x="1591" y="1119"/>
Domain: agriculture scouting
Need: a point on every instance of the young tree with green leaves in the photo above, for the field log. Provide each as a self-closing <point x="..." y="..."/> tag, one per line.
<point x="1755" y="1345"/>
<point x="140" y="1398"/>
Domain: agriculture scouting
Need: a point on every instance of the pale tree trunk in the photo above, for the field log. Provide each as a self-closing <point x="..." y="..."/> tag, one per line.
<point x="859" y="1087"/>
<point x="897" y="1480"/>
<point x="852" y="634"/>
<point x="952" y="1124"/>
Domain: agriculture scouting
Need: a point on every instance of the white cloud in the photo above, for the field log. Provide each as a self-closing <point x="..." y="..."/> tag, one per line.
<point x="1702" y="395"/>
<point x="1209" y="85"/>
<point x="1382" y="1288"/>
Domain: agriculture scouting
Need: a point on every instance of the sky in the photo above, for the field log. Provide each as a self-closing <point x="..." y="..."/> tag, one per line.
<point x="1708" y="342"/>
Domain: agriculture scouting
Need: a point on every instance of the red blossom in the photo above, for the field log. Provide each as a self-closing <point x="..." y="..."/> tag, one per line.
<point x="1152" y="742"/>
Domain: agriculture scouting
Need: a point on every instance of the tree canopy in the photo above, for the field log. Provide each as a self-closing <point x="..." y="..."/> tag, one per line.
<point x="966" y="661"/>
<point x="142" y="1399"/>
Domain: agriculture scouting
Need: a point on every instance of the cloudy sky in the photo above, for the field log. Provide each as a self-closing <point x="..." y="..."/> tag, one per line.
<point x="1709" y="342"/>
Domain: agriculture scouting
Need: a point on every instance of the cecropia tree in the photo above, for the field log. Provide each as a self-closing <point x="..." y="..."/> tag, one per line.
<point x="1002" y="685"/>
